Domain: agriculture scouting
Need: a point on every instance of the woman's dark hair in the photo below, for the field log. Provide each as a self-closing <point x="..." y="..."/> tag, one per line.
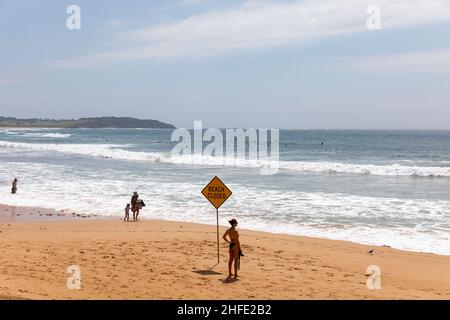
<point x="233" y="222"/>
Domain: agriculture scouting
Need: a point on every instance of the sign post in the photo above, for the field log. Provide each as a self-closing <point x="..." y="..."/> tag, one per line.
<point x="217" y="221"/>
<point x="217" y="193"/>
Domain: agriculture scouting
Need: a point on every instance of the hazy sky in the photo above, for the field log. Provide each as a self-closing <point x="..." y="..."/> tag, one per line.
<point x="277" y="64"/>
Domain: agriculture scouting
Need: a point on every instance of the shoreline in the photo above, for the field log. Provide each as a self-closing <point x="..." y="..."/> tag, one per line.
<point x="14" y="214"/>
<point x="36" y="214"/>
<point x="156" y="259"/>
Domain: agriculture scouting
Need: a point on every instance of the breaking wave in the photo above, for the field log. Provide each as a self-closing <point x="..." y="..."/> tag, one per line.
<point x="110" y="151"/>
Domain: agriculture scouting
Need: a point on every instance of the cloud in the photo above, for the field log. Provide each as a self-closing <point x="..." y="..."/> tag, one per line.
<point x="256" y="25"/>
<point x="435" y="61"/>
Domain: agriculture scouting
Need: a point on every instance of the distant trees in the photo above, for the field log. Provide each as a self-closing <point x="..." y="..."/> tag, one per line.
<point x="99" y="122"/>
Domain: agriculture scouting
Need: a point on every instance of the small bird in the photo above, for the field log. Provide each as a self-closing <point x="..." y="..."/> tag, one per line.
<point x="370" y="251"/>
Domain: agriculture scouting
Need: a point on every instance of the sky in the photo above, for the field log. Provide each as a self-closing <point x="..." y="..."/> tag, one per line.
<point x="294" y="64"/>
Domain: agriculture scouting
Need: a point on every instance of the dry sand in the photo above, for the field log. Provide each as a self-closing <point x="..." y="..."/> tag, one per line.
<point x="170" y="260"/>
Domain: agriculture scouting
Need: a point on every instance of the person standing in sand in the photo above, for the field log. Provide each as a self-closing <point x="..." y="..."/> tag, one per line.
<point x="127" y="213"/>
<point x="135" y="205"/>
<point x="140" y="205"/>
<point x="14" y="186"/>
<point x="235" y="247"/>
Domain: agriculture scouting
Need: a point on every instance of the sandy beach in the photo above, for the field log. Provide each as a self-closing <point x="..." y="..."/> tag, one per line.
<point x="171" y="260"/>
<point x="319" y="129"/>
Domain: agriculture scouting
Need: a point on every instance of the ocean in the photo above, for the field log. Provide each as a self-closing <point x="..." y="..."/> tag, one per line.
<point x="373" y="187"/>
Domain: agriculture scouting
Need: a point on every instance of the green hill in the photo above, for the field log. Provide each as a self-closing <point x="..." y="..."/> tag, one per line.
<point x="100" y="122"/>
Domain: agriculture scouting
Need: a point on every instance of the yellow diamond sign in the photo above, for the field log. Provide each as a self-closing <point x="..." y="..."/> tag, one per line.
<point x="216" y="192"/>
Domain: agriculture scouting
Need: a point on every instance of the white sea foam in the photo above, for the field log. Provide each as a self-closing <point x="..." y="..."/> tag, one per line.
<point x="379" y="170"/>
<point x="21" y="130"/>
<point x="47" y="135"/>
<point x="95" y="150"/>
<point x="12" y="133"/>
<point x="32" y="134"/>
<point x="410" y="224"/>
<point x="116" y="152"/>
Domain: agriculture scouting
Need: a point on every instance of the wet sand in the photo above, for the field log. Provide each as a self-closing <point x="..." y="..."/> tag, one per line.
<point x="172" y="260"/>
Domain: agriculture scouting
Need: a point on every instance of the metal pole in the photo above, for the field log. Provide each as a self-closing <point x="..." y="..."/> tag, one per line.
<point x="218" y="255"/>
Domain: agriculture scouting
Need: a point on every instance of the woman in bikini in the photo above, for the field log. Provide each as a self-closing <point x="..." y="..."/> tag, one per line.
<point x="235" y="247"/>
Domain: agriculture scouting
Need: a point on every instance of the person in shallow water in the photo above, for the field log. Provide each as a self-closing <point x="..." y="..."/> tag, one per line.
<point x="14" y="186"/>
<point x="134" y="205"/>
<point x="127" y="213"/>
<point x="140" y="205"/>
<point x="235" y="247"/>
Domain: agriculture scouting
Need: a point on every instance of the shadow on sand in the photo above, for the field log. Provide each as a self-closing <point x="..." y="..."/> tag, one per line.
<point x="207" y="272"/>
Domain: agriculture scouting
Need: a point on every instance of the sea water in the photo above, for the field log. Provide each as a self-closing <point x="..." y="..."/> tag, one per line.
<point x="374" y="187"/>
